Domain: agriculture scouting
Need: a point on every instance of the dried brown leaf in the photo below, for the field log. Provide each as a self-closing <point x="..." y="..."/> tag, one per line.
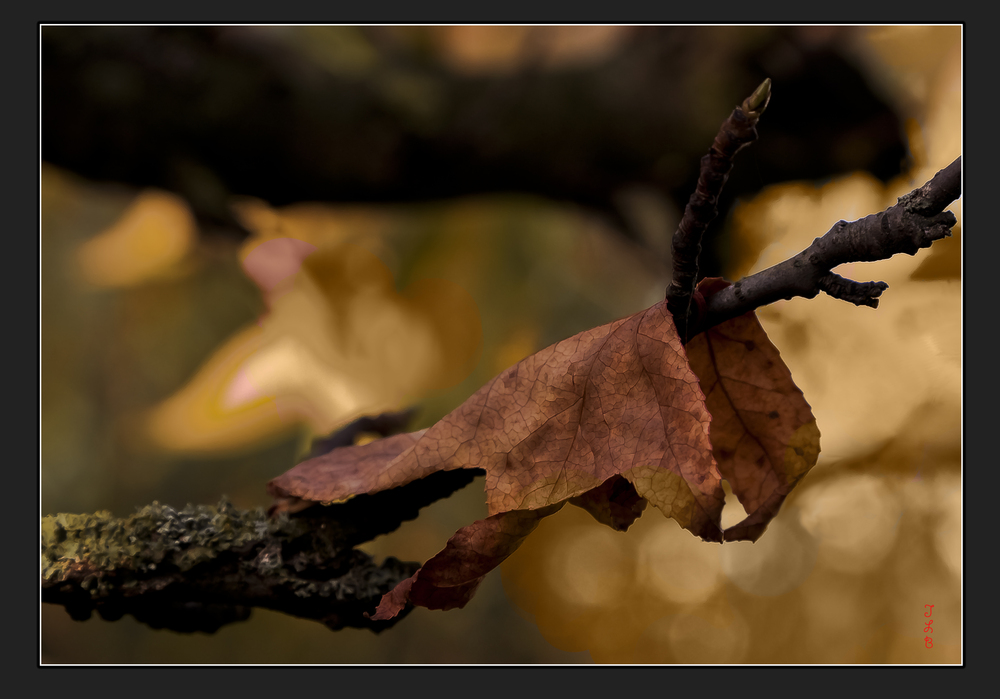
<point x="616" y="400"/>
<point x="607" y="420"/>
<point x="614" y="503"/>
<point x="764" y="435"/>
<point x="340" y="474"/>
<point x="451" y="577"/>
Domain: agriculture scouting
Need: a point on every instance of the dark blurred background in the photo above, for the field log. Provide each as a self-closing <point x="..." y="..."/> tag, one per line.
<point x="539" y="172"/>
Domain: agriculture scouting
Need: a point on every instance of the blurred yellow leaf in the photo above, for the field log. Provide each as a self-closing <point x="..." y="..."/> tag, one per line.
<point x="338" y="342"/>
<point x="199" y="419"/>
<point x="149" y="241"/>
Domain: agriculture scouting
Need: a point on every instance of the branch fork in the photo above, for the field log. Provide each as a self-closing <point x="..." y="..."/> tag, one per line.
<point x="914" y="222"/>
<point x="736" y="132"/>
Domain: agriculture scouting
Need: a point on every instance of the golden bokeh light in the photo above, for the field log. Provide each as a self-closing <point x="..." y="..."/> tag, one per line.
<point x="854" y="519"/>
<point x="777" y="563"/>
<point x="897" y="357"/>
<point x="695" y="639"/>
<point x="678" y="566"/>
<point x="711" y="634"/>
<point x="590" y="568"/>
<point x="948" y="534"/>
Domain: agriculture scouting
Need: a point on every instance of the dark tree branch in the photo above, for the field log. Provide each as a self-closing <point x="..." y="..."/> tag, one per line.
<point x="203" y="567"/>
<point x="384" y="425"/>
<point x="914" y="222"/>
<point x="737" y="131"/>
<point x="858" y="293"/>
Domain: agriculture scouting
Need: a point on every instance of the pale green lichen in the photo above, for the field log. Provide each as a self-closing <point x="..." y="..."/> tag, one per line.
<point x="170" y="568"/>
<point x="155" y="536"/>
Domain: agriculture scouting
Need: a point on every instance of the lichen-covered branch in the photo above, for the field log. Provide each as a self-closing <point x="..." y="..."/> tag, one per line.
<point x="914" y="222"/>
<point x="202" y="567"/>
<point x="736" y="132"/>
<point x="199" y="568"/>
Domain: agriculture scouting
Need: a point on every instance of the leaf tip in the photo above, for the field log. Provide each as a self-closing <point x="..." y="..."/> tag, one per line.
<point x="394" y="601"/>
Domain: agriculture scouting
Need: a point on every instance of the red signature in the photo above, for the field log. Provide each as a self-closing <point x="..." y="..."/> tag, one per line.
<point x="928" y="641"/>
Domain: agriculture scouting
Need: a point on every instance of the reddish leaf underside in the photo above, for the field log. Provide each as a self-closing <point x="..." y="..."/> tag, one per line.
<point x="451" y="577"/>
<point x="606" y="420"/>
<point x="340" y="474"/>
<point x="615" y="503"/>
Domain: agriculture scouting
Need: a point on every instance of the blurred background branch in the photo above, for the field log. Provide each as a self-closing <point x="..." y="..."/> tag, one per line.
<point x="369" y="114"/>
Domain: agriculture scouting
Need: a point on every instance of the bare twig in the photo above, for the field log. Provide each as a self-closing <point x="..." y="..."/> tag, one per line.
<point x="914" y="222"/>
<point x="736" y="132"/>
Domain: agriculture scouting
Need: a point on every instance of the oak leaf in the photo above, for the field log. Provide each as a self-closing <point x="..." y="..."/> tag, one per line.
<point x="607" y="420"/>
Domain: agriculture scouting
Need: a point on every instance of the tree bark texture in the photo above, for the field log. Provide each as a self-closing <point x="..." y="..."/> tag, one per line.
<point x="201" y="567"/>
